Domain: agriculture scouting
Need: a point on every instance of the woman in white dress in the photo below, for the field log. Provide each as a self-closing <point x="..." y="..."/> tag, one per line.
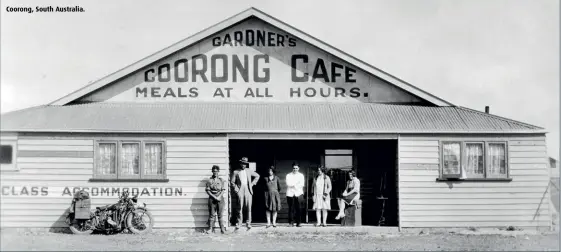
<point x="321" y="191"/>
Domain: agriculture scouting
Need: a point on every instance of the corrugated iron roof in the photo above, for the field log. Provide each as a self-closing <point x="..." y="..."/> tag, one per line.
<point x="259" y="118"/>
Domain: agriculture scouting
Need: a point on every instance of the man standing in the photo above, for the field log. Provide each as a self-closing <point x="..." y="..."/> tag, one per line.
<point x="243" y="187"/>
<point x="294" y="192"/>
<point x="215" y="190"/>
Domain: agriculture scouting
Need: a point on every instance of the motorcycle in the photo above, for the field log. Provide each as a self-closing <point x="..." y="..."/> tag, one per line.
<point x="127" y="213"/>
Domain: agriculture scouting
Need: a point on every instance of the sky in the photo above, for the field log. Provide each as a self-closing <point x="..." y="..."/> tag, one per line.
<point x="472" y="53"/>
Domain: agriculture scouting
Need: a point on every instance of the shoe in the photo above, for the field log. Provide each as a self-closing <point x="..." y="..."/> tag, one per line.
<point x="210" y="227"/>
<point x="274" y="225"/>
<point x="298" y="225"/>
<point x="236" y="228"/>
<point x="222" y="227"/>
<point x="324" y="225"/>
<point x="268" y="225"/>
<point x="248" y="227"/>
<point x="316" y="225"/>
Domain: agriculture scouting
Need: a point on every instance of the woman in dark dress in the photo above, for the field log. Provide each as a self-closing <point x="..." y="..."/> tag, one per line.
<point x="350" y="195"/>
<point x="272" y="196"/>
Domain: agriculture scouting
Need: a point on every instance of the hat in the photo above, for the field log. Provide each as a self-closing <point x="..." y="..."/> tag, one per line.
<point x="244" y="160"/>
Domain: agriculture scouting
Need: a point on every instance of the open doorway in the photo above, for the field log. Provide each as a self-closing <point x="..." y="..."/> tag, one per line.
<point x="374" y="160"/>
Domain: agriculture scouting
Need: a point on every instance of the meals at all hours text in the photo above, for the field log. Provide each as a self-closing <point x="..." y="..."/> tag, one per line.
<point x="157" y="92"/>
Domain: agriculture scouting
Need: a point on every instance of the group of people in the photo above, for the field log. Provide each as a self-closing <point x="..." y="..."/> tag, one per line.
<point x="243" y="180"/>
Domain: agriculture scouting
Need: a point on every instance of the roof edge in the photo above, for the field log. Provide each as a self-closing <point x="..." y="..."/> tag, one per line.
<point x="502" y="118"/>
<point x="233" y="131"/>
<point x="167" y="50"/>
<point x="378" y="70"/>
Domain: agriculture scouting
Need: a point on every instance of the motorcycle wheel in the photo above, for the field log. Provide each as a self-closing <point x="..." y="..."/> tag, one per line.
<point x="79" y="227"/>
<point x="137" y="226"/>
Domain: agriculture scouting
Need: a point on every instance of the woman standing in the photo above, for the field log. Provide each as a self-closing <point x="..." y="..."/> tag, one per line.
<point x="272" y="196"/>
<point x="321" y="191"/>
<point x="350" y="195"/>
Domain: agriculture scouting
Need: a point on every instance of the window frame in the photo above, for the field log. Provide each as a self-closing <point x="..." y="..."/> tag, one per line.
<point x="96" y="174"/>
<point x="507" y="168"/>
<point x="463" y="162"/>
<point x="459" y="174"/>
<point x="121" y="177"/>
<point x="142" y="171"/>
<point x="140" y="159"/>
<point x="352" y="155"/>
<point x="13" y="166"/>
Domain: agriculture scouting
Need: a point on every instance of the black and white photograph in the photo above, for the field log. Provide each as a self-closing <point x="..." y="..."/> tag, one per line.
<point x="293" y="125"/>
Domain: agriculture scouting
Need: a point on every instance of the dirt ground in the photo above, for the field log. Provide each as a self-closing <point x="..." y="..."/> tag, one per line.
<point x="287" y="239"/>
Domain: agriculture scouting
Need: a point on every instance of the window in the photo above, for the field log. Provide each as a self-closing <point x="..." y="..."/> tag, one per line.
<point x="474" y="160"/>
<point x="124" y="160"/>
<point x="153" y="159"/>
<point x="338" y="159"/>
<point x="451" y="159"/>
<point x="496" y="160"/>
<point x="6" y="154"/>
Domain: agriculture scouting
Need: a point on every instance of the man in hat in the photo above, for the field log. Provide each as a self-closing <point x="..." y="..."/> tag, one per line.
<point x="242" y="186"/>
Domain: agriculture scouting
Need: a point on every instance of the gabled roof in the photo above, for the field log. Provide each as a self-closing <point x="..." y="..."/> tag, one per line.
<point x="251" y="12"/>
<point x="258" y="118"/>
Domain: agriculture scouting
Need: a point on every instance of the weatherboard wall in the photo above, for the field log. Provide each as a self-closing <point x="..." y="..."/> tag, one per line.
<point x="59" y="161"/>
<point x="48" y="165"/>
<point x="425" y="202"/>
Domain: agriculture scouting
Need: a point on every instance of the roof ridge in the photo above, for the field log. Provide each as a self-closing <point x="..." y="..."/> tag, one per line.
<point x="508" y="120"/>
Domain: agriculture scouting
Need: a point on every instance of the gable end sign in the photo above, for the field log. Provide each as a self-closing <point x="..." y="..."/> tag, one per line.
<point x="240" y="72"/>
<point x="251" y="62"/>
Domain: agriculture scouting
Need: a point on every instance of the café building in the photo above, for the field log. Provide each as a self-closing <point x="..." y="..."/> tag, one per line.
<point x="253" y="86"/>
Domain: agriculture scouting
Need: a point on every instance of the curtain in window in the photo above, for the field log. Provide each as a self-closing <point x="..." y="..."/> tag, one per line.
<point x="153" y="159"/>
<point x="451" y="158"/>
<point x="497" y="160"/>
<point x="474" y="159"/>
<point x="130" y="159"/>
<point x="106" y="159"/>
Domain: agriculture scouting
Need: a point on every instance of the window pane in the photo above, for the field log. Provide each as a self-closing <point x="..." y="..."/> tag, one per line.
<point x="474" y="160"/>
<point x="153" y="164"/>
<point x="130" y="159"/>
<point x="339" y="162"/>
<point x="497" y="160"/>
<point x="5" y="154"/>
<point x="338" y="152"/>
<point x="451" y="158"/>
<point x="106" y="158"/>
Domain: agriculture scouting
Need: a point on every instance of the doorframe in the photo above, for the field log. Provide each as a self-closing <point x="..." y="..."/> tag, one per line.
<point x="318" y="136"/>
